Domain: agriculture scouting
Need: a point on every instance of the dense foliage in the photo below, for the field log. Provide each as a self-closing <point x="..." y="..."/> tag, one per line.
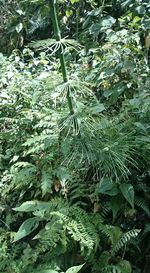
<point x="75" y="146"/>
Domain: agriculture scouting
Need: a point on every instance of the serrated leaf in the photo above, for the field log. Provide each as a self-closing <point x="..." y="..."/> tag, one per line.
<point x="26" y="228"/>
<point x="74" y="269"/>
<point x="127" y="191"/>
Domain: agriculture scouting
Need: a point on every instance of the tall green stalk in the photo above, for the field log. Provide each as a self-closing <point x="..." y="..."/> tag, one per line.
<point x="54" y="17"/>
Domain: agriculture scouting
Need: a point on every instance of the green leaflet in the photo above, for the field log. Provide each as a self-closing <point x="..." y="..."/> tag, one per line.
<point x="128" y="192"/>
<point x="26" y="228"/>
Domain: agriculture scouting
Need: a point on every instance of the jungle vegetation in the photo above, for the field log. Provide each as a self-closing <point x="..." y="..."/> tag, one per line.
<point x="75" y="146"/>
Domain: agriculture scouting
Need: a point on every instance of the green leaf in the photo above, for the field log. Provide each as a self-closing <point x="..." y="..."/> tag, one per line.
<point x="75" y="269"/>
<point x="107" y="187"/>
<point x="125" y="266"/>
<point x="69" y="12"/>
<point x="46" y="182"/>
<point x="107" y="22"/>
<point x="135" y="102"/>
<point x="95" y="29"/>
<point x="140" y="125"/>
<point x="140" y="10"/>
<point x="115" y="234"/>
<point x="147" y="228"/>
<point x="127" y="191"/>
<point x="116" y="204"/>
<point x="19" y="27"/>
<point x="32" y="206"/>
<point x="26" y="228"/>
<point x="74" y="1"/>
<point x="126" y="3"/>
<point x="98" y="108"/>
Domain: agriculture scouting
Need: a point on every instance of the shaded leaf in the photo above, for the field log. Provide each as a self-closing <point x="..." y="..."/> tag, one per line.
<point x="116" y="204"/>
<point x="128" y="193"/>
<point x="106" y="187"/>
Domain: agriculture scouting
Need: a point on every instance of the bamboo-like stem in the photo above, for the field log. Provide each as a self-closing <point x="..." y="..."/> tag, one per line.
<point x="57" y="33"/>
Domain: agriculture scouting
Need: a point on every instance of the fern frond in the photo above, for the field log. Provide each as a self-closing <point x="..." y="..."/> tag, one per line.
<point x="77" y="223"/>
<point x="77" y="192"/>
<point x="40" y="44"/>
<point x="113" y="233"/>
<point x="53" y="45"/>
<point x="106" y="209"/>
<point x="51" y="236"/>
<point x="141" y="203"/>
<point x="85" y="222"/>
<point x="125" y="239"/>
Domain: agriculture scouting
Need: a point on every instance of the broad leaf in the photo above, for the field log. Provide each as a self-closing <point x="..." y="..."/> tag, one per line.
<point x="107" y="22"/>
<point x="128" y="193"/>
<point x="98" y="108"/>
<point x="95" y="29"/>
<point x="125" y="266"/>
<point x="26" y="228"/>
<point x="75" y="269"/>
<point x="32" y="206"/>
<point x="107" y="187"/>
<point x="116" y="204"/>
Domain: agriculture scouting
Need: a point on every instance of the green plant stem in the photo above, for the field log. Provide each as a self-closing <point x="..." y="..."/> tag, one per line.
<point x="57" y="33"/>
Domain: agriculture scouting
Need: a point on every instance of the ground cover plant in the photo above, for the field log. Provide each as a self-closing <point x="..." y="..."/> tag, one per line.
<point x="75" y="146"/>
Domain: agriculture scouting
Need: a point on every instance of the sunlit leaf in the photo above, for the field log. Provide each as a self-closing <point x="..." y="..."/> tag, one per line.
<point x="74" y="269"/>
<point x="26" y="228"/>
<point x="19" y="27"/>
